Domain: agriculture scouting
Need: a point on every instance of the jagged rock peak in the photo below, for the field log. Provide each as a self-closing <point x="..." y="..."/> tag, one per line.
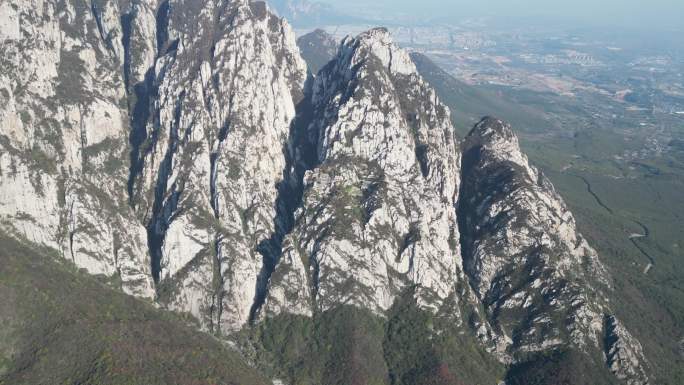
<point x="524" y="254"/>
<point x="322" y="34"/>
<point x="498" y="138"/>
<point x="158" y="136"/>
<point x="318" y="48"/>
<point x="223" y="209"/>
<point x="63" y="136"/>
<point x="378" y="42"/>
<point x="226" y="100"/>
<point x="489" y="127"/>
<point x="381" y="198"/>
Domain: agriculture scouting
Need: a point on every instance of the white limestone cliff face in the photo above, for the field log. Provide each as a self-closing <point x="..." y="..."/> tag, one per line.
<point x="204" y="93"/>
<point x="379" y="207"/>
<point x="524" y="255"/>
<point x="210" y="94"/>
<point x="212" y="154"/>
<point x="63" y="135"/>
<point x="290" y="286"/>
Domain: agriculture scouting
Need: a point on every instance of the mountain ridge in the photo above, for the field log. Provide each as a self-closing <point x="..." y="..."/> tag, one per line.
<point x="256" y="191"/>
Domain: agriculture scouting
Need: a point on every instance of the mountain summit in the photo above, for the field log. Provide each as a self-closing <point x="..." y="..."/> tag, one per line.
<point x="379" y="204"/>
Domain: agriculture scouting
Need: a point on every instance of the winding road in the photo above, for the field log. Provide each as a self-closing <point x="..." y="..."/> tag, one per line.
<point x="634" y="238"/>
<point x="593" y="194"/>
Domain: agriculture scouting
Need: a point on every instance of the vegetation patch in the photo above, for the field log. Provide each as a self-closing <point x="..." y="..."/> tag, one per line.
<point x="349" y="345"/>
<point x="560" y="367"/>
<point x="72" y="329"/>
<point x="70" y="88"/>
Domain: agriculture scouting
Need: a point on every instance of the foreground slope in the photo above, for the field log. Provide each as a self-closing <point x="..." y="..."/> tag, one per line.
<point x="62" y="326"/>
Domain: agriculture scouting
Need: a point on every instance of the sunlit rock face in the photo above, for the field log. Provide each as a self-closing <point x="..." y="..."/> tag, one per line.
<point x="210" y="153"/>
<point x="64" y="137"/>
<point x="180" y="148"/>
<point x="379" y="204"/>
<point x="146" y="141"/>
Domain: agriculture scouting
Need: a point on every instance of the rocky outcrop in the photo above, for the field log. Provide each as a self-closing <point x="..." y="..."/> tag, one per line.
<point x="624" y="355"/>
<point x="63" y="137"/>
<point x="201" y="97"/>
<point x="212" y="153"/>
<point x="379" y="207"/>
<point x="541" y="284"/>
<point x="522" y="251"/>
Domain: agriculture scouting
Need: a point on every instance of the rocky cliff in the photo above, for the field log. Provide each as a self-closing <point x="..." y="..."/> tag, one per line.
<point x="132" y="135"/>
<point x="181" y="148"/>
<point x="379" y="207"/>
<point x="209" y="151"/>
<point x="64" y="137"/>
<point x="541" y="284"/>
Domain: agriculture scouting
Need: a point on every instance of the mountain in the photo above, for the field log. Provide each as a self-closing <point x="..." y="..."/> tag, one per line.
<point x="317" y="48"/>
<point x="329" y="228"/>
<point x="137" y="176"/>
<point x="526" y="258"/>
<point x="639" y="311"/>
<point x="380" y="195"/>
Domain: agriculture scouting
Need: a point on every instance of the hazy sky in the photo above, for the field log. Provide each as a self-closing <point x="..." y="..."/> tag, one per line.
<point x="640" y="14"/>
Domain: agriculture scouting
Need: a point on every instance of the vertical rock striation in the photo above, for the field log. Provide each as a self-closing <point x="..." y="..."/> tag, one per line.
<point x="224" y="90"/>
<point x="200" y="97"/>
<point x="379" y="205"/>
<point x="63" y="135"/>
